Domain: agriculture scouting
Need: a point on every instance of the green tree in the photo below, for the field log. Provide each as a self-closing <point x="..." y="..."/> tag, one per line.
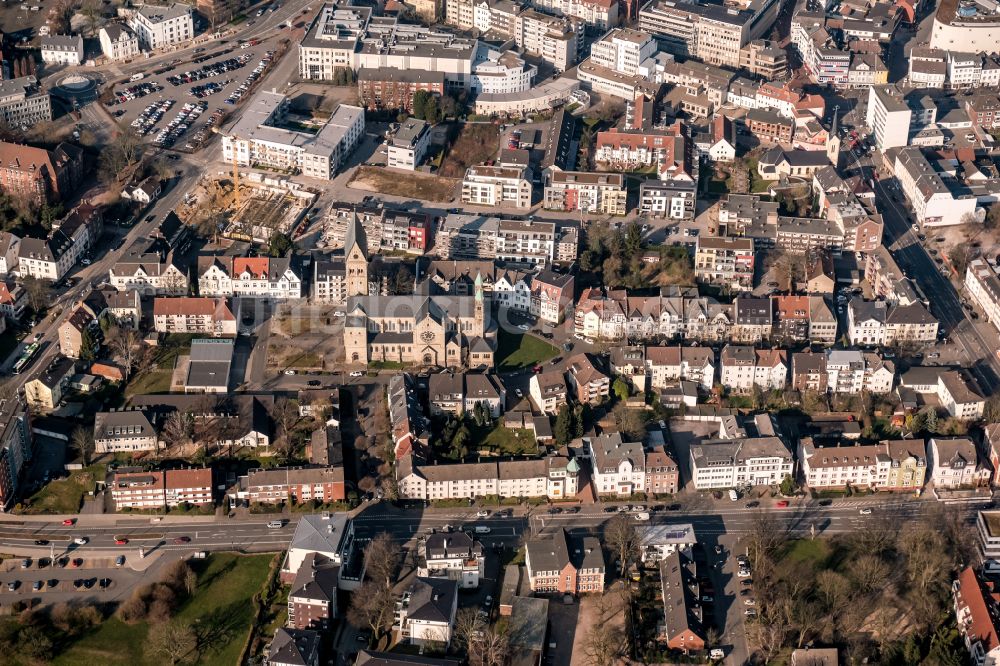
<point x="89" y="345"/>
<point x="930" y="419"/>
<point x="432" y="112"/>
<point x="788" y="485"/>
<point x="279" y="244"/>
<point x="420" y="103"/>
<point x="620" y="388"/>
<point x="563" y="431"/>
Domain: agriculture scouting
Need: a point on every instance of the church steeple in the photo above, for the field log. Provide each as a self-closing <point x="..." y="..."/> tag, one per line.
<point x="480" y="306"/>
<point x="356" y="258"/>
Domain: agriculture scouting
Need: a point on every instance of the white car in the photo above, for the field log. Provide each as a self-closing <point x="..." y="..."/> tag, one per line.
<point x="519" y="393"/>
<point x="338" y="314"/>
<point x="289" y="372"/>
<point x="743" y="573"/>
<point x="524" y="327"/>
<point x="81" y="541"/>
<point x="482" y="513"/>
<point x="357" y="373"/>
<point x="590" y="341"/>
<point x="865" y="512"/>
<point x="915" y="228"/>
<point x="85" y="261"/>
<point x="578" y="336"/>
<point x="749" y="602"/>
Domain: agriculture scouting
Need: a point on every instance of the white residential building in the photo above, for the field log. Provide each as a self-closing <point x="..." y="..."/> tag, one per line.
<point x="955" y="463"/>
<point x="859" y="466"/>
<point x="669" y="365"/>
<point x="149" y="274"/>
<point x="62" y="49"/>
<point x="258" y="140"/>
<point x="160" y="27"/>
<point x="889" y="117"/>
<point x="622" y="50"/>
<point x="730" y="463"/>
<point x="496" y="186"/>
<point x="118" y="42"/>
<point x="408" y="145"/>
<point x="934" y="203"/>
<point x="249" y="277"/>
<point x="741" y="368"/>
<point x="496" y="73"/>
<point x="452" y="555"/>
<point x="548" y="391"/>
<point x="426" y="613"/>
<point x="618" y="467"/>
<point x="983" y="286"/>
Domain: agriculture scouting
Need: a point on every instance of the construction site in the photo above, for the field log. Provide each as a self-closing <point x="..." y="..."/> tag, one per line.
<point x="248" y="207"/>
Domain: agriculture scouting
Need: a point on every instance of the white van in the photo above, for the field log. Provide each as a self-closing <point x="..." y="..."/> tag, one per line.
<point x="733" y="496"/>
<point x="642" y="516"/>
<point x="276" y="524"/>
<point x="137" y="77"/>
<point x="482" y="529"/>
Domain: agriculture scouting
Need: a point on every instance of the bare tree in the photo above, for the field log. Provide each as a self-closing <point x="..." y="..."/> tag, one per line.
<point x="925" y="550"/>
<point x="372" y="606"/>
<point x="172" y="640"/>
<point x="833" y="590"/>
<point x="127" y="345"/>
<point x="621" y="537"/>
<point x="764" y="539"/>
<point x="286" y="416"/>
<point x="178" y="427"/>
<point x="118" y="156"/>
<point x="604" y="644"/>
<point x="91" y="11"/>
<point x="38" y="292"/>
<point x="381" y="559"/>
<point x="83" y="442"/>
<point x="869" y="572"/>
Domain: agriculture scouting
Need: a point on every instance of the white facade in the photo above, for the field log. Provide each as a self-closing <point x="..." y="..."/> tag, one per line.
<point x="160" y="27"/>
<point x="497" y="186"/>
<point x="983" y="285"/>
<point x="934" y="204"/>
<point x="255" y="141"/>
<point x="842" y="466"/>
<point x="622" y="50"/>
<point x="619" y="468"/>
<point x="496" y="73"/>
<point x="62" y="50"/>
<point x="732" y="463"/>
<point x="408" y="146"/>
<point x="889" y="117"/>
<point x="954" y="463"/>
<point x="119" y="43"/>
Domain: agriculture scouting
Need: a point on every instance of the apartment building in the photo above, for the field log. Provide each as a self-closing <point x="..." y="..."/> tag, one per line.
<point x="765" y="59"/>
<point x="150" y="274"/>
<point x="127" y="430"/>
<point x="587" y="383"/>
<point x="852" y="371"/>
<point x="249" y="277"/>
<point x="725" y="261"/>
<point x="497" y="186"/>
<point x="934" y="203"/>
<point x="955" y="463"/>
<point x="387" y="88"/>
<point x="630" y="150"/>
<point x="881" y="323"/>
<point x="312" y="597"/>
<point x="548" y="391"/>
<point x="668" y="365"/>
<point x="425" y="615"/>
<point x="298" y="484"/>
<point x="742" y="367"/>
<point x="62" y="50"/>
<point x="601" y="193"/>
<point x="408" y="145"/>
<point x="557" y="40"/>
<point x="673" y="199"/>
<point x="858" y="466"/>
<point x="601" y="14"/>
<point x="15" y="451"/>
<point x="530" y="242"/>
<point x="511" y="478"/>
<point x="161" y="27"/>
<point x="958" y="396"/>
<point x="460" y="392"/>
<point x="210" y="316"/>
<point x="39" y="175"/>
<point x="564" y="564"/>
<point x="618" y="467"/>
<point x="769" y="127"/>
<point x="260" y="139"/>
<point x="731" y="463"/>
<point x="975" y="609"/>
<point x="161" y="489"/>
<point x="983" y="286"/>
<point x="622" y="50"/>
<point x="23" y="103"/>
<point x="454" y="556"/>
<point x="714" y="34"/>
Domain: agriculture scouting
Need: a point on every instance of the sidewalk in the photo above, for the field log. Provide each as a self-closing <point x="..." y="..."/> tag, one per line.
<point x="107" y="519"/>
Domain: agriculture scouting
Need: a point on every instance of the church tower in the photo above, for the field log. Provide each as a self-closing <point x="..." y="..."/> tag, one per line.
<point x="480" y="327"/>
<point x="356" y="258"/>
<point x="833" y="142"/>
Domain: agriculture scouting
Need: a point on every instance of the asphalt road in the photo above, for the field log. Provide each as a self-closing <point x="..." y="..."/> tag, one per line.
<point x="945" y="301"/>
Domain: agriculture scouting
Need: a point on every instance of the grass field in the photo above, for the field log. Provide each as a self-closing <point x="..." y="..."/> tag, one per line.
<point x="476" y="143"/>
<point x="402" y="184"/>
<point x="220" y="613"/>
<point x="65" y="495"/>
<point x="521" y="350"/>
<point x="510" y="441"/>
<point x="154" y="381"/>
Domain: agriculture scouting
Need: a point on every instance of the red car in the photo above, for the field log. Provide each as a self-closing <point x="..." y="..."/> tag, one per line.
<point x="121" y="542"/>
<point x="182" y="539"/>
<point x="69" y="521"/>
<point x="77" y="563"/>
<point x="782" y="504"/>
<point x="537" y="369"/>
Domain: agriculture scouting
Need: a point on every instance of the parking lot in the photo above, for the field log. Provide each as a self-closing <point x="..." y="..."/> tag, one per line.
<point x="178" y="104"/>
<point x="68" y="577"/>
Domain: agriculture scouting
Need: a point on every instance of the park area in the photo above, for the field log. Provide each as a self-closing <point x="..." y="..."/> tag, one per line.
<point x="220" y="613"/>
<point x="65" y="495"/>
<point x="410" y="185"/>
<point x="516" y="351"/>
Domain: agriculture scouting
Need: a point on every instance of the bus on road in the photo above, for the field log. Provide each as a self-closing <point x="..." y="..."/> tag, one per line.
<point x="26" y="358"/>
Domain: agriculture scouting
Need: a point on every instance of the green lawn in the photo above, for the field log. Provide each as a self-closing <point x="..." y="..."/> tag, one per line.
<point x="816" y="551"/>
<point x="521" y="350"/>
<point x="220" y="612"/>
<point x="154" y="381"/>
<point x="172" y="346"/>
<point x="510" y="441"/>
<point x="65" y="495"/>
